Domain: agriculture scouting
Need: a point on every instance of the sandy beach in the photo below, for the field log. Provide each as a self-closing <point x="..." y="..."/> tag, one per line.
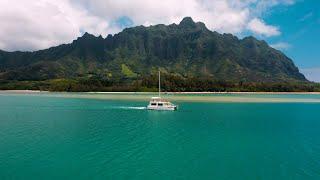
<point x="241" y="97"/>
<point x="38" y="91"/>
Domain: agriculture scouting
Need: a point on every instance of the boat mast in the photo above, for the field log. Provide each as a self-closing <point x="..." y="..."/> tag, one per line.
<point x="159" y="84"/>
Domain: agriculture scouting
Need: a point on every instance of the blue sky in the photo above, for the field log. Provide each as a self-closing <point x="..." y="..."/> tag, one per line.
<point x="292" y="26"/>
<point x="300" y="34"/>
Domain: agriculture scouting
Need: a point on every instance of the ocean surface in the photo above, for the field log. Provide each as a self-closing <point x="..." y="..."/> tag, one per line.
<point x="113" y="136"/>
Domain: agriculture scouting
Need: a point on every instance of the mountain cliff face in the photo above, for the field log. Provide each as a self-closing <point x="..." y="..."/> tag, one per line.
<point x="188" y="49"/>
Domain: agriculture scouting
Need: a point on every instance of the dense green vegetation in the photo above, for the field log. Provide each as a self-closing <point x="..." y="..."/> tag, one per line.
<point x="191" y="57"/>
<point x="170" y="83"/>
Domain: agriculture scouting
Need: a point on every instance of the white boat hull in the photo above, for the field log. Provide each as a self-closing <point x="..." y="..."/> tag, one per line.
<point x="163" y="108"/>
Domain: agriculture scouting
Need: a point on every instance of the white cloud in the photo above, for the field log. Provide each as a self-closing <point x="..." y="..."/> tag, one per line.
<point x="32" y="25"/>
<point x="218" y="15"/>
<point x="29" y="25"/>
<point x="281" y="45"/>
<point x="259" y="27"/>
<point x="262" y="6"/>
<point x="312" y="74"/>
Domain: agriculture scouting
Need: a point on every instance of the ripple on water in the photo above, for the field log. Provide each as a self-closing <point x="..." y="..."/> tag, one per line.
<point x="99" y="139"/>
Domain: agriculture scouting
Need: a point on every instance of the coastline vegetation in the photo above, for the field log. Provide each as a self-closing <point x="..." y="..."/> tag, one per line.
<point x="170" y="83"/>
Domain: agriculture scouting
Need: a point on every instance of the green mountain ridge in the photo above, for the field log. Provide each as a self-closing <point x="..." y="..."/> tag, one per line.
<point x="186" y="50"/>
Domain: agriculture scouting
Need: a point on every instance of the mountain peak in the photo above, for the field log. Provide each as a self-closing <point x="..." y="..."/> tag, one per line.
<point x="88" y="35"/>
<point x="187" y="22"/>
<point x="187" y="19"/>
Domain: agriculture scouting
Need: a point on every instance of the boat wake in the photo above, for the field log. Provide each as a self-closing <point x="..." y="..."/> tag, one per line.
<point x="131" y="107"/>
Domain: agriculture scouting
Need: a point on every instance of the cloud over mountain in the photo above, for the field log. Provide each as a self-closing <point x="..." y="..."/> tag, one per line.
<point x="281" y="45"/>
<point x="32" y="25"/>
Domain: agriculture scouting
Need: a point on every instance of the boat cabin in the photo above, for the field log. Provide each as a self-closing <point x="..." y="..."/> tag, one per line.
<point x="158" y="103"/>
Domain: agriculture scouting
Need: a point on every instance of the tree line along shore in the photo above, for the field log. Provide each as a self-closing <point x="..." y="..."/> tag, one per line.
<point x="169" y="83"/>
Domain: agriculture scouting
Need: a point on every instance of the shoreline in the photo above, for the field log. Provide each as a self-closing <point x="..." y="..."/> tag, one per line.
<point x="184" y="93"/>
<point x="217" y="97"/>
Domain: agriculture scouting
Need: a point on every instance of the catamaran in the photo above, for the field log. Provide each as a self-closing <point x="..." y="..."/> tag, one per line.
<point x="158" y="103"/>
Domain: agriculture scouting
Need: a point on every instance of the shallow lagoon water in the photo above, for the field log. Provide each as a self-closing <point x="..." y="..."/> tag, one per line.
<point x="205" y="97"/>
<point x="112" y="136"/>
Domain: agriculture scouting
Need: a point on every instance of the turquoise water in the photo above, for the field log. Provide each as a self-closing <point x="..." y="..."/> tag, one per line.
<point x="48" y="137"/>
